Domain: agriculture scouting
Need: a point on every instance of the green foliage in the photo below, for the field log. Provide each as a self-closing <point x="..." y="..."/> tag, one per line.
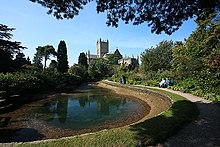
<point x="63" y="10"/>
<point x="6" y="63"/>
<point x="20" y="61"/>
<point x="157" y="58"/>
<point x="8" y="49"/>
<point x="197" y="61"/>
<point x="78" y="71"/>
<point x="62" y="61"/>
<point x="37" y="62"/>
<point x="20" y="83"/>
<point x="82" y="60"/>
<point x="44" y="52"/>
<point x="113" y="58"/>
<point x="33" y="82"/>
<point x="53" y="66"/>
<point x="99" y="69"/>
<point x="165" y="16"/>
<point x="5" y="43"/>
<point x="67" y="79"/>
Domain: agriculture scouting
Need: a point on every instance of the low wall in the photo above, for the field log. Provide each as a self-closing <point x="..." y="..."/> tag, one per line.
<point x="158" y="102"/>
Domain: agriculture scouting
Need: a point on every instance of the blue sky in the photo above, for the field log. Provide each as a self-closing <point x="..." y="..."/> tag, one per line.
<point x="35" y="28"/>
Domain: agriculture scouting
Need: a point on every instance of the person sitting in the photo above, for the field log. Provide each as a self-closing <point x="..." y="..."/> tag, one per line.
<point x="162" y="83"/>
<point x="167" y="82"/>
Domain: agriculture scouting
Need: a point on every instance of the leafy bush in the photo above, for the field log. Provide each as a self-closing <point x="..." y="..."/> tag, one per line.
<point x="67" y="79"/>
<point x="23" y="83"/>
<point x="19" y="83"/>
<point x="151" y="83"/>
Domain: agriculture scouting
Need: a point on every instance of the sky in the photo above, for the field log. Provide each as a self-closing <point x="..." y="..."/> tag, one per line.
<point x="34" y="27"/>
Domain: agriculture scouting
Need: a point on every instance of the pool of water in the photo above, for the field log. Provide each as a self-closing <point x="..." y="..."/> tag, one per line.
<point x="88" y="109"/>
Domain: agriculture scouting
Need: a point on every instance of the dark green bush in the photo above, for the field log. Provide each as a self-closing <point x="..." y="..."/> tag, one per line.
<point x="67" y="79"/>
<point x="31" y="82"/>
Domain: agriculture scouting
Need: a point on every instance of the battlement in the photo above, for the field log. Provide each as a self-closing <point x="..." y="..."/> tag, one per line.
<point x="102" y="47"/>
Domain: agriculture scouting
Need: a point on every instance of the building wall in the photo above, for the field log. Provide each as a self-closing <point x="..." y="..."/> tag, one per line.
<point x="102" y="47"/>
<point x="128" y="61"/>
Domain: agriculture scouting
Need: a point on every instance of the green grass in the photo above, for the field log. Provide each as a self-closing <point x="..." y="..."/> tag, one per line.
<point x="149" y="132"/>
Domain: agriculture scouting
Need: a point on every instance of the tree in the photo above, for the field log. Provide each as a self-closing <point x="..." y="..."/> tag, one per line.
<point x="161" y="15"/>
<point x="198" y="58"/>
<point x="82" y="60"/>
<point x="62" y="63"/>
<point x="37" y="61"/>
<point x="157" y="58"/>
<point x="8" y="48"/>
<point x="99" y="69"/>
<point x="53" y="65"/>
<point x="6" y="62"/>
<point x="45" y="52"/>
<point x="6" y="45"/>
<point x="20" y="60"/>
<point x="63" y="9"/>
<point x="78" y="70"/>
<point x="113" y="58"/>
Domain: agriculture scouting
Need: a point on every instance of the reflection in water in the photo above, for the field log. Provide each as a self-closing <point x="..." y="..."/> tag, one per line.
<point x="85" y="110"/>
<point x="88" y="109"/>
<point x="81" y="111"/>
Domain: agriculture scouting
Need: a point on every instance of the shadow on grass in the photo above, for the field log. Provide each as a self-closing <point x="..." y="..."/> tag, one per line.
<point x="158" y="129"/>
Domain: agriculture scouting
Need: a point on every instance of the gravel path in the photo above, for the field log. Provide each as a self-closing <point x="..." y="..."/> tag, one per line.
<point x="203" y="132"/>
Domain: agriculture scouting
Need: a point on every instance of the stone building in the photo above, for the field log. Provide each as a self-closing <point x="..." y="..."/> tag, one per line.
<point x="129" y="61"/>
<point x="102" y="48"/>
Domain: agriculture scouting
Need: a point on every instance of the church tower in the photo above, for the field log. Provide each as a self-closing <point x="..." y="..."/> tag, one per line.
<point x="102" y="47"/>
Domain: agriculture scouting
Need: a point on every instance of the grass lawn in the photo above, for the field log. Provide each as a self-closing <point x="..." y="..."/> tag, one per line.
<point x="149" y="132"/>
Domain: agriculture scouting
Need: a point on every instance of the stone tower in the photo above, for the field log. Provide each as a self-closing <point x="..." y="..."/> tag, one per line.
<point x="102" y="47"/>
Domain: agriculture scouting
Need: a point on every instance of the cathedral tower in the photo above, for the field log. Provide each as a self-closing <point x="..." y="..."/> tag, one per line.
<point x="102" y="47"/>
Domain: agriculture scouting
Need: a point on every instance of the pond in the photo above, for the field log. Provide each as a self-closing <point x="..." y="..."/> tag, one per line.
<point x="87" y="109"/>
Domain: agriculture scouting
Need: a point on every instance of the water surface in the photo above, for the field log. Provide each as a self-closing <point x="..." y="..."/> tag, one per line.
<point x="87" y="109"/>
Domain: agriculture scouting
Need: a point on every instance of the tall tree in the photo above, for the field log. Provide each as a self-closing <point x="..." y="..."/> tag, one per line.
<point x="157" y="58"/>
<point x="200" y="53"/>
<point x="82" y="60"/>
<point x="7" y="48"/>
<point x="37" y="61"/>
<point x="161" y="15"/>
<point x="45" y="52"/>
<point x="62" y="61"/>
<point x="198" y="59"/>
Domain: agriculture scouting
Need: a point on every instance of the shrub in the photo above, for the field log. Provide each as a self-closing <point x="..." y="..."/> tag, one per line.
<point x="23" y="83"/>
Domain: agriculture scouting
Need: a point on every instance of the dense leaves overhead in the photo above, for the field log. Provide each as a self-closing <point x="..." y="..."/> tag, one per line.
<point x="160" y="15"/>
<point x="63" y="8"/>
